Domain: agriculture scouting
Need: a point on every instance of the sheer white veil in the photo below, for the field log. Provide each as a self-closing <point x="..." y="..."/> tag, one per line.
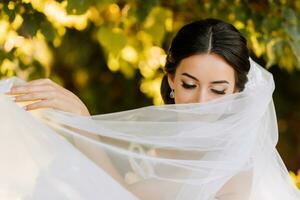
<point x="223" y="149"/>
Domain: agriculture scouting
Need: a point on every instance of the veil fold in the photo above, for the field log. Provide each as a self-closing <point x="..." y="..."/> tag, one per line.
<point x="223" y="149"/>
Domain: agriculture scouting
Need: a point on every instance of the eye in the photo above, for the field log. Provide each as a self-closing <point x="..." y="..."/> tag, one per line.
<point x="218" y="91"/>
<point x="187" y="86"/>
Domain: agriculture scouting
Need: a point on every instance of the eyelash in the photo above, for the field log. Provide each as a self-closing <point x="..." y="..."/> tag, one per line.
<point x="218" y="92"/>
<point x="187" y="86"/>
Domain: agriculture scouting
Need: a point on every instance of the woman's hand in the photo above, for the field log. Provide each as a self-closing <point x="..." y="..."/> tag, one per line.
<point x="48" y="95"/>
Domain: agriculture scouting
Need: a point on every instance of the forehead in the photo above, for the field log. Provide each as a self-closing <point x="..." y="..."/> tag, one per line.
<point x="206" y="67"/>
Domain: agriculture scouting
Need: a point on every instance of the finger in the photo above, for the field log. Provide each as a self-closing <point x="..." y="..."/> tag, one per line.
<point x="30" y="89"/>
<point x="41" y="104"/>
<point x="41" y="81"/>
<point x="15" y="89"/>
<point x="46" y="81"/>
<point x="50" y="103"/>
<point x="35" y="96"/>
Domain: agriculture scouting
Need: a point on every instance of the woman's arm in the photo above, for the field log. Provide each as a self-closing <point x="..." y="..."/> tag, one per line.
<point x="48" y="94"/>
<point x="238" y="187"/>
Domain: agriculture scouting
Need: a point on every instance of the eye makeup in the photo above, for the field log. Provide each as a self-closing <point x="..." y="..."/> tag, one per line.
<point x="188" y="86"/>
<point x="192" y="86"/>
<point x="222" y="92"/>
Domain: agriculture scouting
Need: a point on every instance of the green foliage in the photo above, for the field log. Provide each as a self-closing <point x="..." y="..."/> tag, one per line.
<point x="78" y="7"/>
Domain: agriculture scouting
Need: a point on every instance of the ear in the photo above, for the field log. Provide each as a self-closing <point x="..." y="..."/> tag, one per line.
<point x="171" y="80"/>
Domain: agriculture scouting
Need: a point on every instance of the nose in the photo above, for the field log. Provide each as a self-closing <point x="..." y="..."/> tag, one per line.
<point x="202" y="97"/>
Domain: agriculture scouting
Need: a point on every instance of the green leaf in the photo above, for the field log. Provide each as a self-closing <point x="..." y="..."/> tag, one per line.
<point x="144" y="7"/>
<point x="48" y="31"/>
<point x="155" y="24"/>
<point x="10" y="13"/>
<point x="31" y="24"/>
<point x="112" y="40"/>
<point x="292" y="29"/>
<point x="78" y="7"/>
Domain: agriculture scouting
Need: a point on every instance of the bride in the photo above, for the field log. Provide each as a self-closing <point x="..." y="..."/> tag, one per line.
<point x="214" y="139"/>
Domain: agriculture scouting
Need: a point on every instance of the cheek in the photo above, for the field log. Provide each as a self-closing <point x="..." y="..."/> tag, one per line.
<point x="231" y="89"/>
<point x="183" y="95"/>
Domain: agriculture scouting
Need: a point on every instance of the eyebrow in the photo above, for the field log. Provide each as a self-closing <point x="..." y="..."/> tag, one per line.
<point x="213" y="82"/>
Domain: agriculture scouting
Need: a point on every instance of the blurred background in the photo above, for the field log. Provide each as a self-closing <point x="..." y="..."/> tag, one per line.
<point x="111" y="53"/>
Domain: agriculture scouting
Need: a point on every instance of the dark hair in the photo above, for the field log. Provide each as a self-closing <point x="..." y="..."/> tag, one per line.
<point x="208" y="36"/>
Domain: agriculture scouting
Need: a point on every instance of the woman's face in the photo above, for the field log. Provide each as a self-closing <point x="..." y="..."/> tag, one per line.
<point x="201" y="78"/>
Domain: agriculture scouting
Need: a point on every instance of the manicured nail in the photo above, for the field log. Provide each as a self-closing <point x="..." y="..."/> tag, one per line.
<point x="24" y="107"/>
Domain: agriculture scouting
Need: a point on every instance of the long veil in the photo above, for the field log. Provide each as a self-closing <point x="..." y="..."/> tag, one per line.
<point x="223" y="149"/>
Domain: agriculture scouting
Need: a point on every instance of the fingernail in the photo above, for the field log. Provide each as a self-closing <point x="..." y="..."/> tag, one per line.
<point x="24" y="107"/>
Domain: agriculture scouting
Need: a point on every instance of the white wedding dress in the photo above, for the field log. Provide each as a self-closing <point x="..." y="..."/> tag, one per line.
<point x="37" y="163"/>
<point x="223" y="149"/>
